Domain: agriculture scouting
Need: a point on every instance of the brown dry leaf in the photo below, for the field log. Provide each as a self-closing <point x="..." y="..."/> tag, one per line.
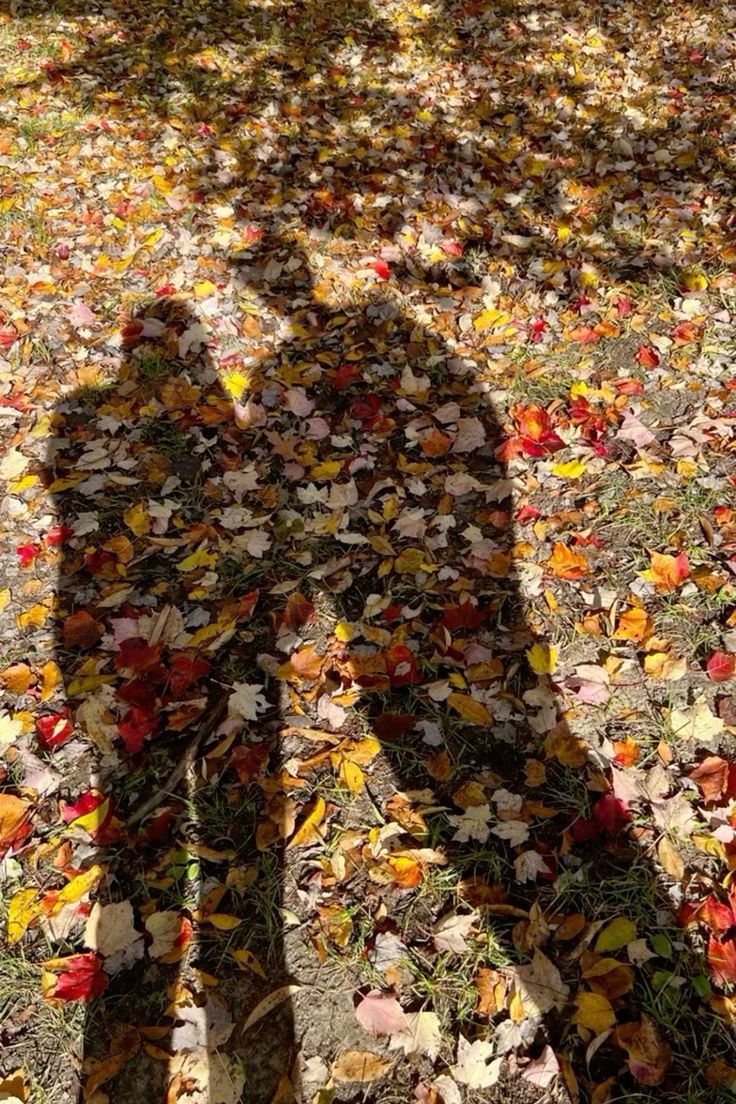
<point x="360" y="1066"/>
<point x="648" y="1056"/>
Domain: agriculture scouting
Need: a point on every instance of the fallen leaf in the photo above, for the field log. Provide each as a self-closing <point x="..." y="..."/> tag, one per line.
<point x="360" y="1066"/>
<point x="380" y="1014"/>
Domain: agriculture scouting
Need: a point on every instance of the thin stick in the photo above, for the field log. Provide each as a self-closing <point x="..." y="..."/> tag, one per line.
<point x="206" y="726"/>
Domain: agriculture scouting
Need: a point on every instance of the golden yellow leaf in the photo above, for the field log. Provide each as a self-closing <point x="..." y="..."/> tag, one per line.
<point x="542" y="658"/>
<point x="223" y="921"/>
<point x="248" y="961"/>
<point x="308" y="831"/>
<point x="594" y="1011"/>
<point x="351" y="776"/>
<point x="136" y="518"/>
<point x="472" y="711"/>
<point x="22" y="911"/>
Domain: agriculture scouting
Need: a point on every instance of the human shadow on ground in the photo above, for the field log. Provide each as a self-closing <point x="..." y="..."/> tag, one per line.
<point x="320" y="536"/>
<point x="214" y="548"/>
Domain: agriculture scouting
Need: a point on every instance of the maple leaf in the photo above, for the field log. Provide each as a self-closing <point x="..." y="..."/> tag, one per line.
<point x="81" y="977"/>
<point x="666" y="572"/>
<point x="247" y="701"/>
<point x="80" y="630"/>
<point x="54" y="729"/>
<point x="567" y="563"/>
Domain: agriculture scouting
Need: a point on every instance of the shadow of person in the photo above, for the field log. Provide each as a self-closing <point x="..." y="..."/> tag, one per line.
<point x="296" y="630"/>
<point x="287" y="587"/>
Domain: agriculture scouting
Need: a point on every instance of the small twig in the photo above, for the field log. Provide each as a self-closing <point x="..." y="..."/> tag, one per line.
<point x="206" y="726"/>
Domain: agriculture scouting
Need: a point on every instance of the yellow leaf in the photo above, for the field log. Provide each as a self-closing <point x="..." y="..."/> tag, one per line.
<point x="344" y="631"/>
<point x="472" y="711"/>
<point x="308" y="830"/>
<point x="671" y="859"/>
<point x="136" y="518"/>
<point x="51" y="678"/>
<point x="664" y="665"/>
<point x="329" y="469"/>
<point x="594" y="1012"/>
<point x="248" y="961"/>
<point x="10" y="729"/>
<point x="4" y="598"/>
<point x="22" y="911"/>
<point x="235" y="383"/>
<point x="571" y="469"/>
<point x="542" y="658"/>
<point x="161" y="184"/>
<point x="635" y="625"/>
<point x="412" y="560"/>
<point x="351" y="776"/>
<point x="204" y="288"/>
<point x="14" y="1088"/>
<point x="222" y="921"/>
<point x="491" y="318"/>
<point x="695" y="281"/>
<point x="359" y="1065"/>
<point x="200" y="558"/>
<point x="93" y="820"/>
<point x="83" y="883"/>
<point x="615" y="935"/>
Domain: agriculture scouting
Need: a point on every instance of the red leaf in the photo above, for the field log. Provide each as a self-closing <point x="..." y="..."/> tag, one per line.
<point x="84" y="804"/>
<point x="722" y="960"/>
<point x="27" y="553"/>
<point x="392" y="726"/>
<point x="380" y="268"/>
<point x="585" y="334"/>
<point x="345" y="376"/>
<point x="57" y="534"/>
<point x="401" y="666"/>
<point x="81" y="630"/>
<point x="721" y="667"/>
<point x="611" y="815"/>
<point x="136" y="655"/>
<point x="83" y="978"/>
<point x="185" y="671"/>
<point x="527" y="514"/>
<point x="248" y="762"/>
<point x="466" y="616"/>
<point x="54" y="729"/>
<point x="647" y="356"/>
<point x="134" y="727"/>
<point x="298" y="611"/>
<point x="716" y="915"/>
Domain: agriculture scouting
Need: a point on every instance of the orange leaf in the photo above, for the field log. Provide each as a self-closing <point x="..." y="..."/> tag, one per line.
<point x="634" y="624"/>
<point x="666" y="572"/>
<point x="567" y="563"/>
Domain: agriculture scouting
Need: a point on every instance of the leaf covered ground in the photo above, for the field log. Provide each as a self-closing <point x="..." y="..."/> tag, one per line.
<point x="368" y="616"/>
